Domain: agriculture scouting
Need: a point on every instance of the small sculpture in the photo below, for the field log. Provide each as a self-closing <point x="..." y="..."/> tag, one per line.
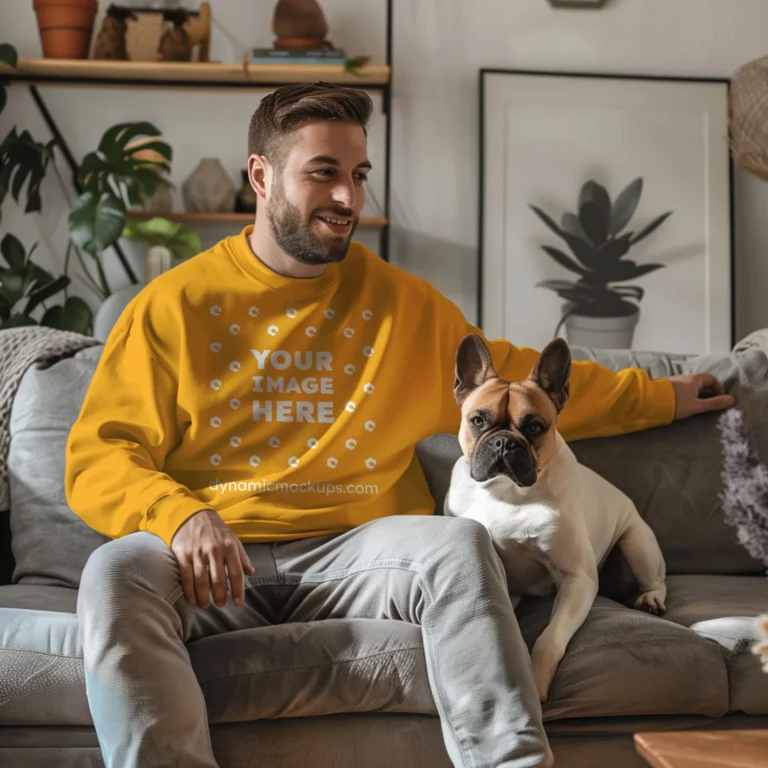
<point x="110" y="43"/>
<point x="174" y="43"/>
<point x="299" y="24"/>
<point x="209" y="189"/>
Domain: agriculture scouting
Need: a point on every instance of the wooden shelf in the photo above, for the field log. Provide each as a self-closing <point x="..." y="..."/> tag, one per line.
<point x="186" y="74"/>
<point x="366" y="222"/>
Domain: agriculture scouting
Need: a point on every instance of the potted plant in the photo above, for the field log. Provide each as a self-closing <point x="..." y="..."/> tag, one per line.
<point x="597" y="313"/>
<point x="24" y="285"/>
<point x="66" y="27"/>
<point x="120" y="173"/>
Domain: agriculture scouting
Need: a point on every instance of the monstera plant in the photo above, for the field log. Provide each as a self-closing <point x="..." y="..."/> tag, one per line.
<point x="121" y="172"/>
<point x="598" y="239"/>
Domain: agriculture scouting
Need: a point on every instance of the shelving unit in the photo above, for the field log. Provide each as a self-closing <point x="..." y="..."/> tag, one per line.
<point x="206" y="75"/>
<point x="77" y="72"/>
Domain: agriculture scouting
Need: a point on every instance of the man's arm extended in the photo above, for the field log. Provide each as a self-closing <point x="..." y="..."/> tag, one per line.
<point x="601" y="403"/>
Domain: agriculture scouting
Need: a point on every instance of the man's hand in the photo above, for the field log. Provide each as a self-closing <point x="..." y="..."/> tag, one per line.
<point x="687" y="395"/>
<point x="204" y="547"/>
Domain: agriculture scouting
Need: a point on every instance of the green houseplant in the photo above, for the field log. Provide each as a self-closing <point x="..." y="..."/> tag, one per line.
<point x="121" y="172"/>
<point x="24" y="285"/>
<point x="596" y="311"/>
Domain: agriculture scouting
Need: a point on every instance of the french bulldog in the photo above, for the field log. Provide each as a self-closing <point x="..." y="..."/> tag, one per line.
<point x="552" y="520"/>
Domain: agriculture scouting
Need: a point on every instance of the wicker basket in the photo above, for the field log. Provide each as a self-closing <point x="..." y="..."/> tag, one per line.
<point x="749" y="117"/>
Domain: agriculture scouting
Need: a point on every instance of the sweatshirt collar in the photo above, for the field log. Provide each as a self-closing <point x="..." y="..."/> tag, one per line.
<point x="296" y="287"/>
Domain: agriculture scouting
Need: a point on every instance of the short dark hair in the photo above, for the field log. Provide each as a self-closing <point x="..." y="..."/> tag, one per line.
<point x="286" y="108"/>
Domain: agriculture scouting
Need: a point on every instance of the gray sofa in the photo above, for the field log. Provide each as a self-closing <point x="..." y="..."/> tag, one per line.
<point x="355" y="693"/>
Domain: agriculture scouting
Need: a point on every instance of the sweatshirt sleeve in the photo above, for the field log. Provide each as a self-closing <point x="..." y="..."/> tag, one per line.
<point x="116" y="449"/>
<point x="602" y="402"/>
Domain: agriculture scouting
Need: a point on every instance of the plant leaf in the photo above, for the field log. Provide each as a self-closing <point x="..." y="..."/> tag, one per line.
<point x="657" y="222"/>
<point x="95" y="223"/>
<point x="46" y="291"/>
<point x="624" y="207"/>
<point x="572" y="226"/>
<point x="628" y="270"/>
<point x="181" y="240"/>
<point x="76" y="315"/>
<point x="16" y="321"/>
<point x="549" y="221"/>
<point x="52" y="317"/>
<point x="12" y="286"/>
<point x="22" y="158"/>
<point x="13" y="252"/>
<point x="592" y="192"/>
<point x="631" y="290"/>
<point x="8" y="55"/>
<point x="563" y="260"/>
<point x="613" y="249"/>
<point x="594" y="222"/>
<point x="644" y="269"/>
<point x="121" y="134"/>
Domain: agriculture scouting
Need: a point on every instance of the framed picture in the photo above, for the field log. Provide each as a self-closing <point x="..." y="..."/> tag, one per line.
<point x="606" y="211"/>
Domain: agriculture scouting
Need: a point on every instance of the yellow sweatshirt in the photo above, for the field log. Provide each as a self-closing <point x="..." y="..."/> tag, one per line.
<point x="292" y="406"/>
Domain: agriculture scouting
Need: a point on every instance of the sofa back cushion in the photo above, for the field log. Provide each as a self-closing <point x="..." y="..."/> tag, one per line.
<point x="50" y="543"/>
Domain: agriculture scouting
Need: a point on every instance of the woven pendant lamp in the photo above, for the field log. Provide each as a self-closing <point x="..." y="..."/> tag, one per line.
<point x="749" y="117"/>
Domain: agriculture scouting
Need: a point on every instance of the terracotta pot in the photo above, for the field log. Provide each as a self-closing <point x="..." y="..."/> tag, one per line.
<point x="66" y="27"/>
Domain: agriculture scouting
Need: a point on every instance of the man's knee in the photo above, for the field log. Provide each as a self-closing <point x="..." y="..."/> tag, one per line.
<point x="467" y="537"/>
<point x="139" y="560"/>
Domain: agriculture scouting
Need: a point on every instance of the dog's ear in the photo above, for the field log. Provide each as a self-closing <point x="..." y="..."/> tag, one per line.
<point x="552" y="372"/>
<point x="473" y="366"/>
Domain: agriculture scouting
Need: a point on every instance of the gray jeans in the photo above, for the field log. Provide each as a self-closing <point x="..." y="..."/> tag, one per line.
<point x="440" y="573"/>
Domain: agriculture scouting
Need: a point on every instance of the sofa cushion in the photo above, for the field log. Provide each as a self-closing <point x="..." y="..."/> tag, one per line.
<point x="622" y="662"/>
<point x="41" y="665"/>
<point x="679" y="665"/>
<point x="49" y="542"/>
<point x="318" y="668"/>
<point x="723" y="609"/>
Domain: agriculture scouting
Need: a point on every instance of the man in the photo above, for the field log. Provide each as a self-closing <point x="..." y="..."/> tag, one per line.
<point x="252" y="422"/>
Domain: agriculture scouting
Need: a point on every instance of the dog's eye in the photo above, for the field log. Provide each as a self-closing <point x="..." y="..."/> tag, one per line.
<point x="477" y="421"/>
<point x="534" y="429"/>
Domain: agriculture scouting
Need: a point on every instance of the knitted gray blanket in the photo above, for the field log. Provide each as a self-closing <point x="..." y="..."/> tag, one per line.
<point x="20" y="348"/>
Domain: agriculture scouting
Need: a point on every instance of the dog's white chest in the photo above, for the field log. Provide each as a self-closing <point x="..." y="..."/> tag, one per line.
<point x="525" y="535"/>
<point x="566" y="523"/>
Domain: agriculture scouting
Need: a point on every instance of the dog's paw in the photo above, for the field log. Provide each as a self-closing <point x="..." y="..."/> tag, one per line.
<point x="545" y="659"/>
<point x="653" y="601"/>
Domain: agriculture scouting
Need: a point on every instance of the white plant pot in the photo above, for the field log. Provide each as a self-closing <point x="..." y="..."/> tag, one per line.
<point x="602" y="332"/>
<point x="111" y="308"/>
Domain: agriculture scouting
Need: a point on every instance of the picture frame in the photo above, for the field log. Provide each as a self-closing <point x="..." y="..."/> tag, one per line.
<point x="565" y="158"/>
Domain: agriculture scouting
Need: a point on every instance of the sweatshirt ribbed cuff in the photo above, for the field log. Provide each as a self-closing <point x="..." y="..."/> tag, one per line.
<point x="660" y="403"/>
<point x="168" y="513"/>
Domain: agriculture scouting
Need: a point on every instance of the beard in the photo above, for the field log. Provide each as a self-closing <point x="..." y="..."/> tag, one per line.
<point x="295" y="236"/>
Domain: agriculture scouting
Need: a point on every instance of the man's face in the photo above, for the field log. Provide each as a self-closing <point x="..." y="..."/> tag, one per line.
<point x="315" y="203"/>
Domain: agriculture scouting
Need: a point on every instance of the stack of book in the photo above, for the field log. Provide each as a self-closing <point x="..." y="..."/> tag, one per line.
<point x="297" y="56"/>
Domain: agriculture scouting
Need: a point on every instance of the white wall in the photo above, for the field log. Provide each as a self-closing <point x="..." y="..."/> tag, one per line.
<point x="439" y="46"/>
